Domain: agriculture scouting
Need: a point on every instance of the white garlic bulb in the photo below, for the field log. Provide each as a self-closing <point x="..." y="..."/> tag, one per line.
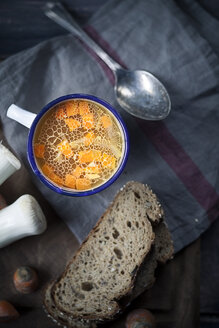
<point x="22" y="218"/>
<point x="8" y="163"/>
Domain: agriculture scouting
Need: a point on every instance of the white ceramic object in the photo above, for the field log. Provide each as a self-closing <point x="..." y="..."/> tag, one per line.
<point x="22" y="218"/>
<point x="20" y="115"/>
<point x="8" y="163"/>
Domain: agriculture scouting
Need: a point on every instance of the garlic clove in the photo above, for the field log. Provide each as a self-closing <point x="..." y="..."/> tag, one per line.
<point x="8" y="163"/>
<point x="22" y="218"/>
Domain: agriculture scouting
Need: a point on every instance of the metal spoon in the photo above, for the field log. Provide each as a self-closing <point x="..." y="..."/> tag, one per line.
<point x="138" y="92"/>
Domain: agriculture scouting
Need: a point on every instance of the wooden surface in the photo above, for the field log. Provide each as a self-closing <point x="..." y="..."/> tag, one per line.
<point x="174" y="299"/>
<point x="47" y="253"/>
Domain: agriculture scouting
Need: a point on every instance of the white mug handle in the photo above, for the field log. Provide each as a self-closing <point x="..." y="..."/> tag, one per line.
<point x="20" y="115"/>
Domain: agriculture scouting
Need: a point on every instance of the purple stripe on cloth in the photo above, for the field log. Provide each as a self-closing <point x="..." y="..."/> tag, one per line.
<point x="183" y="166"/>
<point x="106" y="69"/>
<point x="168" y="147"/>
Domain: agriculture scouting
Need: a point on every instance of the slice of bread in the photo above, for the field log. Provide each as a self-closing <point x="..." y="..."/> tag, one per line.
<point x="106" y="265"/>
<point x="161" y="251"/>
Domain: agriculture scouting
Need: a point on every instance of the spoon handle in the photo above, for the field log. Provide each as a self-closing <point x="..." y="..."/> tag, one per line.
<point x="59" y="14"/>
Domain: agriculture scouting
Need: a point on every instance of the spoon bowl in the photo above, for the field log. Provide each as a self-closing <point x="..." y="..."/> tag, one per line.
<point x="138" y="92"/>
<point x="142" y="94"/>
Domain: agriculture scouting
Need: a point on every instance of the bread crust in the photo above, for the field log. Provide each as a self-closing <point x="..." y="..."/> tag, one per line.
<point x="59" y="318"/>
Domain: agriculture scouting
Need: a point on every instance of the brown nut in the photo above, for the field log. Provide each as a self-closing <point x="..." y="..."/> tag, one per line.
<point x="7" y="311"/>
<point x="25" y="280"/>
<point x="3" y="203"/>
<point x="140" y="318"/>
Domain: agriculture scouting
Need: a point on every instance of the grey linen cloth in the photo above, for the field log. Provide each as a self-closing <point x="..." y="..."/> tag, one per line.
<point x="177" y="157"/>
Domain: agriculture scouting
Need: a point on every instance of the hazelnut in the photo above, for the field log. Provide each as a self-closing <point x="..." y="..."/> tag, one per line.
<point x="25" y="280"/>
<point x="7" y="311"/>
<point x="140" y="318"/>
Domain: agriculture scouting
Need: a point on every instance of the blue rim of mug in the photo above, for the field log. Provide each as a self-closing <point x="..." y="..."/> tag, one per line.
<point x="33" y="163"/>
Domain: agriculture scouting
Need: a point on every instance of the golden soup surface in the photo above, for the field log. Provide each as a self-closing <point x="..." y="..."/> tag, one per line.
<point x="78" y="145"/>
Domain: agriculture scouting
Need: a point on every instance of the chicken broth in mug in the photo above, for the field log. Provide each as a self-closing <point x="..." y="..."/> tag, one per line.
<point x="78" y="145"/>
